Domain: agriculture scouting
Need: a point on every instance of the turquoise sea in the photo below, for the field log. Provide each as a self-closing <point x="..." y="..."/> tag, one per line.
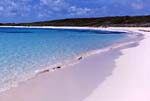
<point x="26" y="50"/>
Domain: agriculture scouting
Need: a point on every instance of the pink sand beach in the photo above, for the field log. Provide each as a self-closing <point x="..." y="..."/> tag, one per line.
<point x="125" y="79"/>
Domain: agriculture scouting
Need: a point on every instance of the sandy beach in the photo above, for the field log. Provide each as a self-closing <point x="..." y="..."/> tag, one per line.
<point x="121" y="74"/>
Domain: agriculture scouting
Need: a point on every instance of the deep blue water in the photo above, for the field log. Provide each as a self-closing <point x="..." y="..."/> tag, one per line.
<point x="25" y="50"/>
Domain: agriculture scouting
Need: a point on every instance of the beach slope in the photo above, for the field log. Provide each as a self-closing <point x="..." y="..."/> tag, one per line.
<point x="130" y="79"/>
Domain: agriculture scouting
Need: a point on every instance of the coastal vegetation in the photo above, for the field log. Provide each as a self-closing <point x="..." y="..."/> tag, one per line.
<point x="121" y="21"/>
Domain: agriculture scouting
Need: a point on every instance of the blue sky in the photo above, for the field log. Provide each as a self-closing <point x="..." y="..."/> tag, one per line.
<point x="39" y="10"/>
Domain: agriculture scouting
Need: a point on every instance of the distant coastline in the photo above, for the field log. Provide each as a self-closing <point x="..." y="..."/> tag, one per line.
<point x="114" y="21"/>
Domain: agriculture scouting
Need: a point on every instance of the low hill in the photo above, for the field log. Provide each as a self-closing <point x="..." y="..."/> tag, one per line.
<point x="124" y="21"/>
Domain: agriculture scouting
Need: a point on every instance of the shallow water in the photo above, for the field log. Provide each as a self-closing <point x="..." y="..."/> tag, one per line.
<point x="25" y="50"/>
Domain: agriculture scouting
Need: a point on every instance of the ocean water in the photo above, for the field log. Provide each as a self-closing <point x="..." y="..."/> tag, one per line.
<point x="25" y="50"/>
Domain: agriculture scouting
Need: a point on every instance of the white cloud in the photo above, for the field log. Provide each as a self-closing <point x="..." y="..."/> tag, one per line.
<point x="53" y="2"/>
<point x="14" y="8"/>
<point x="40" y="9"/>
<point x="58" y="7"/>
<point x="137" y="6"/>
<point x="55" y="5"/>
<point x="1" y="8"/>
<point x="73" y="10"/>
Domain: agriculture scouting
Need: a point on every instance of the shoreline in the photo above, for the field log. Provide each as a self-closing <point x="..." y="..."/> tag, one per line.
<point x="121" y="43"/>
<point x="66" y="27"/>
<point x="84" y="58"/>
<point x="132" y="38"/>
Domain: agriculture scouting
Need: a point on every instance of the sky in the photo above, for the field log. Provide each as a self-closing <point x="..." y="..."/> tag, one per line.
<point x="43" y="10"/>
